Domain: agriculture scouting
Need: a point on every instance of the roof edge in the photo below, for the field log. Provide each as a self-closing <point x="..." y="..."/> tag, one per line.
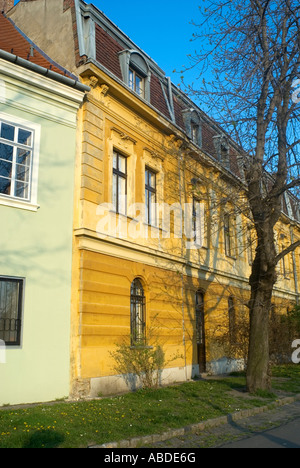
<point x="44" y="71"/>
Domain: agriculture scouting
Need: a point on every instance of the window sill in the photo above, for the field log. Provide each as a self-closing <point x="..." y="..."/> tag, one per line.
<point x="141" y="347"/>
<point x="20" y="204"/>
<point x="231" y="257"/>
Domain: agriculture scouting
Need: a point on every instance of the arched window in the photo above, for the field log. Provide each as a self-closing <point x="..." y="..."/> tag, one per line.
<point x="138" y="314"/>
<point x="136" y="72"/>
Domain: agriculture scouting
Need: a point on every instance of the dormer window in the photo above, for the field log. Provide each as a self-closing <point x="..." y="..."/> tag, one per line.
<point x="136" y="72"/>
<point x="195" y="133"/>
<point x="136" y="82"/>
<point x="222" y="149"/>
<point x="193" y="126"/>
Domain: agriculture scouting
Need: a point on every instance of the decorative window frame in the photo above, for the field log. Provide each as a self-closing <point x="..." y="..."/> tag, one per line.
<point x="132" y="59"/>
<point x="8" y="200"/>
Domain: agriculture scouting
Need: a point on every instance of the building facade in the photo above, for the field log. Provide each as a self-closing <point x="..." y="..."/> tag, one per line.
<point x="38" y="116"/>
<point x="162" y="242"/>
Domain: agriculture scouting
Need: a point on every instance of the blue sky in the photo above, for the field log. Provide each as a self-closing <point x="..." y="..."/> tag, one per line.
<point x="161" y="28"/>
<point x="164" y="30"/>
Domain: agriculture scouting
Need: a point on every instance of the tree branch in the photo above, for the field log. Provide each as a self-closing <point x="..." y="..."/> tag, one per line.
<point x="286" y="251"/>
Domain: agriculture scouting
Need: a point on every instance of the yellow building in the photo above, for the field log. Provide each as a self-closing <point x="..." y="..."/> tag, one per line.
<point x="162" y="246"/>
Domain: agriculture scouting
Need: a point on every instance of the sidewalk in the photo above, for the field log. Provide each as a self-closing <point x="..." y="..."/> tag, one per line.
<point x="216" y="432"/>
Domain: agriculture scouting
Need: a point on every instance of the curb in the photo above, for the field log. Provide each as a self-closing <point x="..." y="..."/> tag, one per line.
<point x="192" y="428"/>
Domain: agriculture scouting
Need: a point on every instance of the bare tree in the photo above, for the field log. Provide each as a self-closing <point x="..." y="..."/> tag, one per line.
<point x="252" y="50"/>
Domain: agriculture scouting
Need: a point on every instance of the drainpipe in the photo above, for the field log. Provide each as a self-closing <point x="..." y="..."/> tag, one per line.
<point x="182" y="276"/>
<point x="294" y="266"/>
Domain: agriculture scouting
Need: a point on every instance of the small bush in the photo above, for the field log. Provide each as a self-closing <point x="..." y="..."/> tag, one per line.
<point x="143" y="362"/>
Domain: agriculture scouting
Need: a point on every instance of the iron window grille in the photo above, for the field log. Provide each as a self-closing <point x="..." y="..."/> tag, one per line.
<point x="11" y="298"/>
<point x="138" y="314"/>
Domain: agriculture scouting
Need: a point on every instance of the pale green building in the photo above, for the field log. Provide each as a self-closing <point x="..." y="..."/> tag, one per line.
<point x="38" y="114"/>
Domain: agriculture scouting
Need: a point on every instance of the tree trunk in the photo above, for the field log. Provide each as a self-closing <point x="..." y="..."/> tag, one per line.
<point x="258" y="357"/>
<point x="262" y="281"/>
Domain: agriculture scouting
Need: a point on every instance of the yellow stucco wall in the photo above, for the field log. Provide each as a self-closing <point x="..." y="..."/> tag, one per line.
<point x="104" y="265"/>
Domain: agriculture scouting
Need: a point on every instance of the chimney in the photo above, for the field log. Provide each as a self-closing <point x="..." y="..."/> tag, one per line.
<point x="6" y="5"/>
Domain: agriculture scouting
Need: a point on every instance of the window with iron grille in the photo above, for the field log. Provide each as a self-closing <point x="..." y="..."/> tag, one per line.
<point x="138" y="314"/>
<point x="11" y="298"/>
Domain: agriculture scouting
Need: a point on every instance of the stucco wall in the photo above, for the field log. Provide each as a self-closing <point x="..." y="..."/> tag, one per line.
<point x="44" y="21"/>
<point x="37" y="245"/>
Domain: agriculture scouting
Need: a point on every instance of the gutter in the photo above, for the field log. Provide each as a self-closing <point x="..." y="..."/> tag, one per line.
<point x="44" y="71"/>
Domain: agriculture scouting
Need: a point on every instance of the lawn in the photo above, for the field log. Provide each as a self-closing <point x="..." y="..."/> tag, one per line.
<point x="74" y="425"/>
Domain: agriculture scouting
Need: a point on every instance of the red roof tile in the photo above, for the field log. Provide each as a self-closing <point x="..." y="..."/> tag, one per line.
<point x="14" y="41"/>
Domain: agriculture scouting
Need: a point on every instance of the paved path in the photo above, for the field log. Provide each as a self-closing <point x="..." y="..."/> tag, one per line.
<point x="284" y="436"/>
<point x="278" y="428"/>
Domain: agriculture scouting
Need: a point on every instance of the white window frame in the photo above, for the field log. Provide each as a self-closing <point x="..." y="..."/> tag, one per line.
<point x="133" y="76"/>
<point x="9" y="200"/>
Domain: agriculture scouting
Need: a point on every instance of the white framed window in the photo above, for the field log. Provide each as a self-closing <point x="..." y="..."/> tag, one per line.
<point x="136" y="72"/>
<point x="136" y="82"/>
<point x="19" y="154"/>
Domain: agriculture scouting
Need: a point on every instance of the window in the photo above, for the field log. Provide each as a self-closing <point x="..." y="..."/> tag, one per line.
<point x="11" y="297"/>
<point x="200" y="331"/>
<point x="227" y="238"/>
<point x="195" y="133"/>
<point x="199" y="223"/>
<point x="225" y="155"/>
<point x="138" y="314"/>
<point x="136" y="82"/>
<point x="119" y="183"/>
<point x="19" y="162"/>
<point x="16" y="153"/>
<point x="221" y="144"/>
<point x="285" y="263"/>
<point x="136" y="72"/>
<point x="150" y="197"/>
<point x="192" y="124"/>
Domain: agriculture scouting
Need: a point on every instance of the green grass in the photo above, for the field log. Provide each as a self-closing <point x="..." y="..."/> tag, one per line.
<point x="69" y="425"/>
